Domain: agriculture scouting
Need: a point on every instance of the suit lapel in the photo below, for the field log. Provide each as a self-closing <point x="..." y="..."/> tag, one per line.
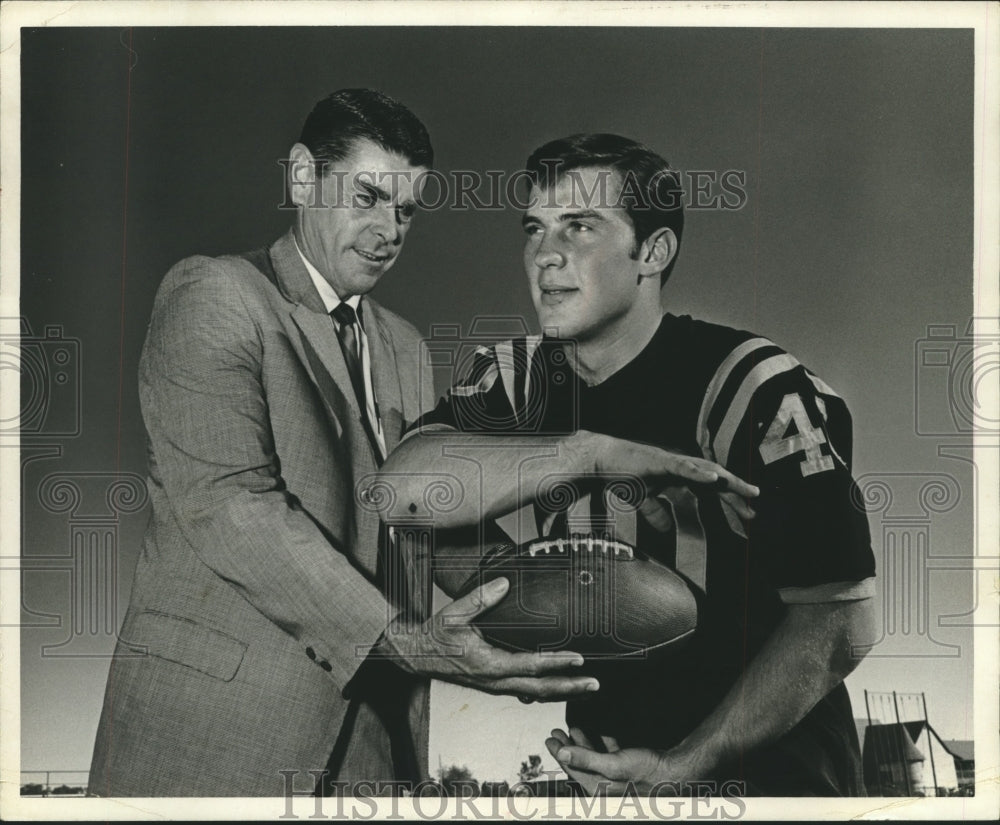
<point x="385" y="374"/>
<point x="320" y="351"/>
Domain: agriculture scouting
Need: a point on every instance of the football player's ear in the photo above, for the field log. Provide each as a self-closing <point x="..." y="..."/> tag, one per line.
<point x="657" y="251"/>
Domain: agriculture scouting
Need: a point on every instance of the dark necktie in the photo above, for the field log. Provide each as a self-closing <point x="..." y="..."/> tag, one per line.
<point x="349" y="334"/>
<point x="384" y="687"/>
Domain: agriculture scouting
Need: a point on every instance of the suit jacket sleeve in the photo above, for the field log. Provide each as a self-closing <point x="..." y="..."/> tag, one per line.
<point x="206" y="413"/>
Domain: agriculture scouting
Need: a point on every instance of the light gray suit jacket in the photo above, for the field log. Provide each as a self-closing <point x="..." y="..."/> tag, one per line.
<point x="254" y="598"/>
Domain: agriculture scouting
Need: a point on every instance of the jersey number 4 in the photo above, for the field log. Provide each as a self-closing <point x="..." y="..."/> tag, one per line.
<point x="778" y="444"/>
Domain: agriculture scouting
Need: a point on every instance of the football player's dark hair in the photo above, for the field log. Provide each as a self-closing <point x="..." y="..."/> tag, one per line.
<point x="349" y="115"/>
<point x="651" y="191"/>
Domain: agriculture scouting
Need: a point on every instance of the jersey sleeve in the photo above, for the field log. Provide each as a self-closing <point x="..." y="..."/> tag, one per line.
<point x="769" y="420"/>
<point x="478" y="403"/>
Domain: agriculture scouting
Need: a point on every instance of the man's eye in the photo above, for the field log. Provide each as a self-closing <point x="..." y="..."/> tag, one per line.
<point x="580" y="227"/>
<point x="405" y="213"/>
<point x="365" y="200"/>
<point x="532" y="229"/>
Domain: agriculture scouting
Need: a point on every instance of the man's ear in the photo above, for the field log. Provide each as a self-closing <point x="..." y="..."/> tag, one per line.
<point x="301" y="176"/>
<point x="657" y="251"/>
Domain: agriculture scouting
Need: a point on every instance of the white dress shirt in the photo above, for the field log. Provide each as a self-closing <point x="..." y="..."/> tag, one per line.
<point x="331" y="300"/>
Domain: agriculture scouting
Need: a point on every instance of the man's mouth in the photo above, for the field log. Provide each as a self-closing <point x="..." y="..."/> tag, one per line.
<point x="554" y="294"/>
<point x="373" y="257"/>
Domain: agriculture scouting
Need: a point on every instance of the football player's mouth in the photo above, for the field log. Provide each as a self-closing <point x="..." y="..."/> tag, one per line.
<point x="556" y="295"/>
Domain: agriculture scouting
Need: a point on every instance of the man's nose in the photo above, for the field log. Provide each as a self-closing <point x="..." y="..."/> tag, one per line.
<point x="548" y="253"/>
<point x="385" y="224"/>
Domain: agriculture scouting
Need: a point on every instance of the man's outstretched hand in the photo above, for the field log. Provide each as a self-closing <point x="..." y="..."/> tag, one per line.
<point x="447" y="646"/>
<point x="660" y="469"/>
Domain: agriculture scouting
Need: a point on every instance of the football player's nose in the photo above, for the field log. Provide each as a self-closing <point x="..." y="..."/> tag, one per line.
<point x="548" y="255"/>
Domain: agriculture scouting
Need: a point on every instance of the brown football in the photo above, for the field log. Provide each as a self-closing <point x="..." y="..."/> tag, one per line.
<point x="596" y="596"/>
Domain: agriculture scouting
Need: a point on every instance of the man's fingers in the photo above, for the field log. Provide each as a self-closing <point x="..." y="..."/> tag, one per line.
<point x="585" y="765"/>
<point x="539" y="664"/>
<point x="698" y="471"/>
<point x="739" y="504"/>
<point x="504" y="664"/>
<point x="580" y="738"/>
<point x="735" y="484"/>
<point x="727" y="484"/>
<point x="465" y="609"/>
<point x="704" y="472"/>
<point x="560" y="736"/>
<point x="553" y="744"/>
<point x="593" y="784"/>
<point x="610" y="744"/>
<point x="657" y="513"/>
<point x="611" y="765"/>
<point x="547" y="688"/>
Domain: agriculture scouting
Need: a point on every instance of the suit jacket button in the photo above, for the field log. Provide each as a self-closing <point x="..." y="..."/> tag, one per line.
<point x="311" y="653"/>
<point x="326" y="666"/>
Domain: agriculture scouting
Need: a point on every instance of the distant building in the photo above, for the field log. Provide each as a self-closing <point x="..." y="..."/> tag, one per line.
<point x="902" y="753"/>
<point x="910" y="759"/>
<point x="965" y="761"/>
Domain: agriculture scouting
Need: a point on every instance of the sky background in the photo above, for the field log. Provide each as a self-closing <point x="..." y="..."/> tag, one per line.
<point x="143" y="146"/>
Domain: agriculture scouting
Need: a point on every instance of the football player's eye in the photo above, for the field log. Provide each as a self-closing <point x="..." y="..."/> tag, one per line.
<point x="406" y="212"/>
<point x="580" y="227"/>
<point x="531" y="229"/>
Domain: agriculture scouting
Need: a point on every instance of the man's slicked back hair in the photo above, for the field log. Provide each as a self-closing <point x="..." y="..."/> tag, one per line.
<point x="349" y="115"/>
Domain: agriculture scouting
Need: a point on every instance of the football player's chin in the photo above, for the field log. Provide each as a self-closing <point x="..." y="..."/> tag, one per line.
<point x="550" y="315"/>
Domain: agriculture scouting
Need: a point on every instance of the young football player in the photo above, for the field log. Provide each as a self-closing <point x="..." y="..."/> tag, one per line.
<point x="785" y="588"/>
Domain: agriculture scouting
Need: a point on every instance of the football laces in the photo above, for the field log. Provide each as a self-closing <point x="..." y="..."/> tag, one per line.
<point x="581" y="544"/>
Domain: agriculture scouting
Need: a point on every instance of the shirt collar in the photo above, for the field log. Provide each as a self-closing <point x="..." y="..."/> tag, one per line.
<point x="326" y="292"/>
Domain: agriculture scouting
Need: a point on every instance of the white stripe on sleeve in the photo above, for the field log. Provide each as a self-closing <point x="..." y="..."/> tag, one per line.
<point x="715" y="387"/>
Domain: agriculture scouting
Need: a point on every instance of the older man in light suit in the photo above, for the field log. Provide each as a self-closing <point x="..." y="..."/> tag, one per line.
<point x="270" y="387"/>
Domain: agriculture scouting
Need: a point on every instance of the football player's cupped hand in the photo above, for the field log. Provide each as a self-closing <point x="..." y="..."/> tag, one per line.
<point x="618" y="771"/>
<point x="448" y="646"/>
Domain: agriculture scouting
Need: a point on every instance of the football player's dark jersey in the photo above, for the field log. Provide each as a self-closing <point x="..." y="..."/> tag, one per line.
<point x="739" y="400"/>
